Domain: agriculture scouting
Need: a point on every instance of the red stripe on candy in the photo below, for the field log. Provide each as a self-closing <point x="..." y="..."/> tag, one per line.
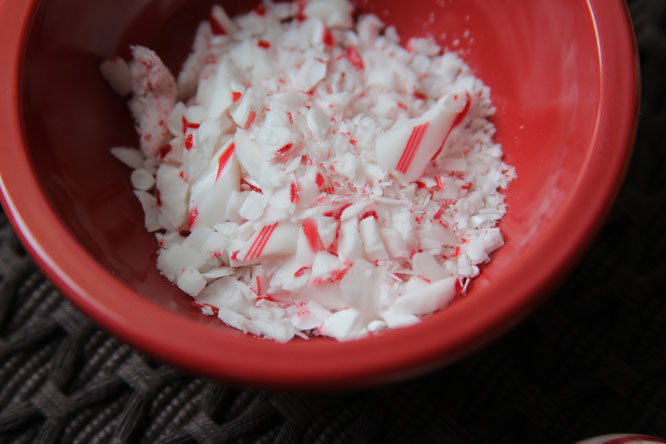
<point x="284" y="149"/>
<point x="187" y="124"/>
<point x="327" y="38"/>
<point x="215" y="26"/>
<point x="269" y="233"/>
<point x="371" y="213"/>
<point x="294" y="193"/>
<point x="224" y="158"/>
<point x="166" y="149"/>
<point x="462" y="114"/>
<point x="194" y="213"/>
<point x="319" y="180"/>
<point x="411" y="148"/>
<point x="254" y="245"/>
<point x="312" y="235"/>
<point x="457" y="121"/>
<point x="405" y="151"/>
<point x="355" y="58"/>
<point x="189" y="142"/>
<point x="250" y="119"/>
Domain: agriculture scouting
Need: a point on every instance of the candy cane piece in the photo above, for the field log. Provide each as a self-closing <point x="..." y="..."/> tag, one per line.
<point x="409" y="146"/>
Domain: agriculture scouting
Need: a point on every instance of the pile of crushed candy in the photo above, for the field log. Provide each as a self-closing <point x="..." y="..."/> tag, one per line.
<point x="307" y="175"/>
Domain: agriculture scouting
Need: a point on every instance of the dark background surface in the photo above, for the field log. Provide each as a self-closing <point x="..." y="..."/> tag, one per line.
<point x="591" y="361"/>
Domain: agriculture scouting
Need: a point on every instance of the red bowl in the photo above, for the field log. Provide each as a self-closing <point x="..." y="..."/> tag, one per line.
<point x="564" y="77"/>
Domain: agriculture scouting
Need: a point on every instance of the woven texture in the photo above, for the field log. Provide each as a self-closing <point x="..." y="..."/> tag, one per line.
<point x="591" y="361"/>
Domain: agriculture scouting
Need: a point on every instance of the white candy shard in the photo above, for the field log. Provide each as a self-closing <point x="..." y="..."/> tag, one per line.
<point x="254" y="206"/>
<point x="238" y="322"/>
<point x="176" y="258"/>
<point x="280" y="331"/>
<point x="425" y="46"/>
<point x="360" y="288"/>
<point x="344" y="325"/>
<point x="409" y="146"/>
<point x="429" y="298"/>
<point x="318" y="122"/>
<point x="218" y="273"/>
<point x="373" y="244"/>
<point x="328" y="295"/>
<point x="191" y="282"/>
<point x="224" y="294"/>
<point x="324" y="266"/>
<point x="426" y="266"/>
<point x="336" y="14"/>
<point x="479" y="249"/>
<point x="177" y="126"/>
<point x="151" y="210"/>
<point x="129" y="156"/>
<point x="173" y="192"/>
<point x="142" y="180"/>
<point x="225" y="88"/>
<point x="116" y="71"/>
<point x="309" y="74"/>
<point x="249" y="153"/>
<point x="399" y="319"/>
<point x="350" y="245"/>
<point x="369" y="27"/>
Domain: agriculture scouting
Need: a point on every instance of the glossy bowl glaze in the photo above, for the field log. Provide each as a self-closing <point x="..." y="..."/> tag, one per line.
<point x="564" y="79"/>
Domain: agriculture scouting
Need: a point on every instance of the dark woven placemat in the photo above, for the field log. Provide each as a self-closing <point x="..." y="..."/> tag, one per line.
<point x="592" y="360"/>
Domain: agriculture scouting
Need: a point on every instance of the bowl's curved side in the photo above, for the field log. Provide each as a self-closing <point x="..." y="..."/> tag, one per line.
<point x="187" y="343"/>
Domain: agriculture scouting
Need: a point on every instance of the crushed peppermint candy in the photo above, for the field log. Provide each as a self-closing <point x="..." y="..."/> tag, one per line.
<point x="306" y="175"/>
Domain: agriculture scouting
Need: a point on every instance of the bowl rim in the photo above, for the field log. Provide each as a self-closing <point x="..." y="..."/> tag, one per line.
<point x="394" y="354"/>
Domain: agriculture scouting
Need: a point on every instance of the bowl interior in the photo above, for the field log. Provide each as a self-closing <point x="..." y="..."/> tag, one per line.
<point x="540" y="58"/>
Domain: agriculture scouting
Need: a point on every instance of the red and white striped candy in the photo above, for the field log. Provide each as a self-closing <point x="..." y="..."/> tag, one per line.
<point x="278" y="239"/>
<point x="209" y="195"/>
<point x="409" y="146"/>
<point x="248" y="109"/>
